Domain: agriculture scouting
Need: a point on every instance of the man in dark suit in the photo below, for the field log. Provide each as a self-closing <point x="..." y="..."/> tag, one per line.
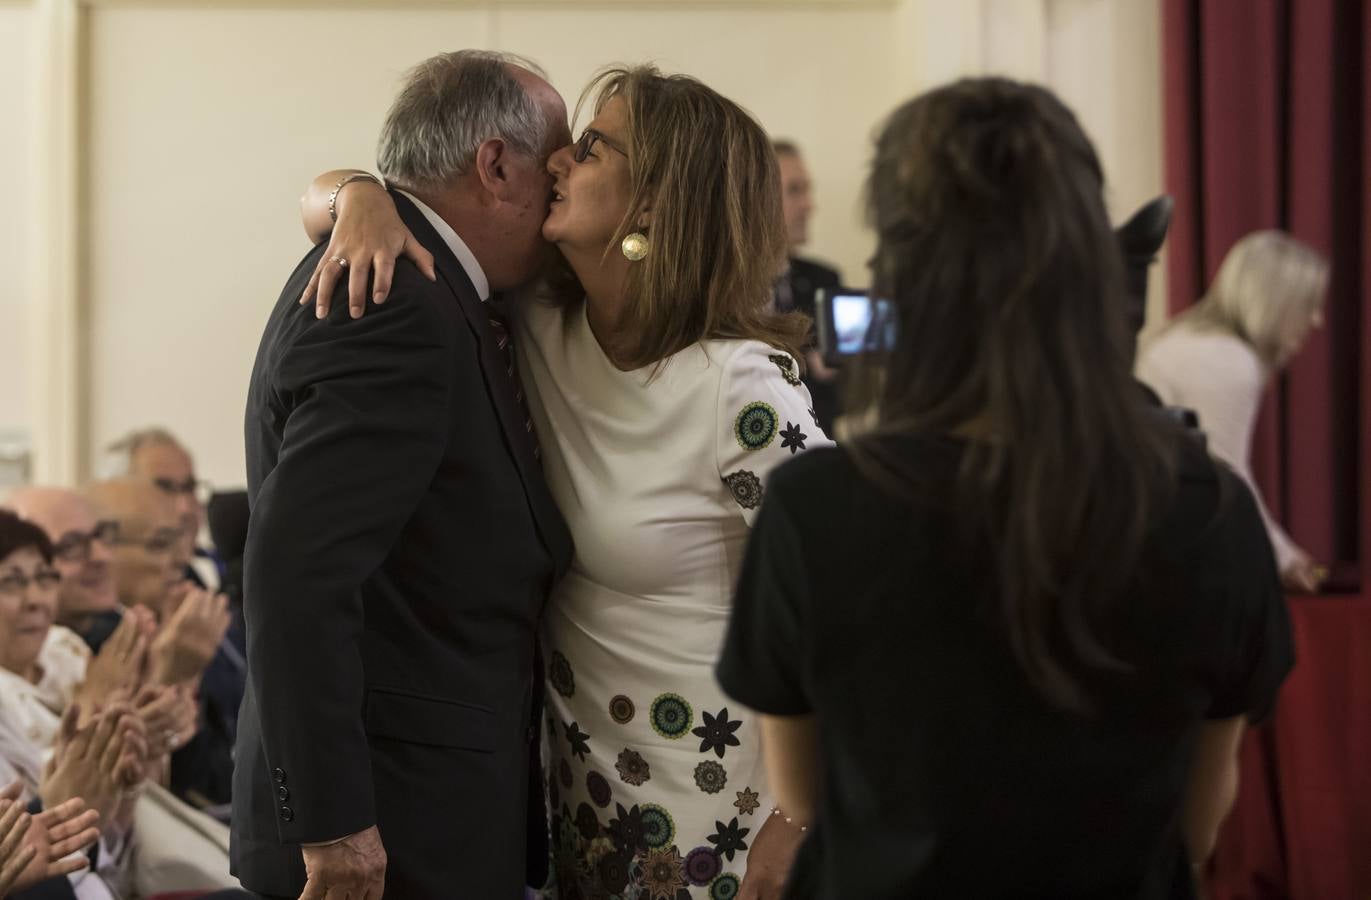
<point x="797" y="286"/>
<point x="402" y="542"/>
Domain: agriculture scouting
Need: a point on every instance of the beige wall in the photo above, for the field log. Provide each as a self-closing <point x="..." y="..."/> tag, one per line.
<point x="15" y="157"/>
<point x="204" y="120"/>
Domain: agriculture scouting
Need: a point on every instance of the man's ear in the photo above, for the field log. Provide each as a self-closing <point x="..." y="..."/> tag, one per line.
<point x="492" y="167"/>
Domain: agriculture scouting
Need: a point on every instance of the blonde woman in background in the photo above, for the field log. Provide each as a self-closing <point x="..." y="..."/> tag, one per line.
<point x="1217" y="357"/>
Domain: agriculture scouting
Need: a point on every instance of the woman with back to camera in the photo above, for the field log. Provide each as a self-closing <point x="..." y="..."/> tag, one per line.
<point x="1217" y="358"/>
<point x="663" y="389"/>
<point x="1005" y="641"/>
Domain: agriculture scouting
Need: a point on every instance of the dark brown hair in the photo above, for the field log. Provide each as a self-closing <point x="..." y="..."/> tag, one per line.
<point x="1007" y="295"/>
<point x="17" y="534"/>
<point x="706" y="169"/>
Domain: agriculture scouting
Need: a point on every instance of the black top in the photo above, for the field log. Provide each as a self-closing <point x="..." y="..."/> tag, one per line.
<point x="945" y="774"/>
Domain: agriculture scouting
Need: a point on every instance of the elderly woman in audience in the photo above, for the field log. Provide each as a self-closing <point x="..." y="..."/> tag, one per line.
<point x="1005" y="642"/>
<point x="127" y="549"/>
<point x="99" y="759"/>
<point x="1218" y="357"/>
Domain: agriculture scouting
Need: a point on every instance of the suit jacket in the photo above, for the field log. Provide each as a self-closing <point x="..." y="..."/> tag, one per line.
<point x="805" y="278"/>
<point x="400" y="549"/>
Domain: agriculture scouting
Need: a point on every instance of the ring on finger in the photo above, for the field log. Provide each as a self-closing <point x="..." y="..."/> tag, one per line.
<point x="341" y="261"/>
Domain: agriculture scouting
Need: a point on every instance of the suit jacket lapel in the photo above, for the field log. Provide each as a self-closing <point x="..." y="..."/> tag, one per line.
<point x="549" y="520"/>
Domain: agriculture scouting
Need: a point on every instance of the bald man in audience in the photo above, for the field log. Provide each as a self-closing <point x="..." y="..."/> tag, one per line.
<point x="189" y="647"/>
<point x="88" y="602"/>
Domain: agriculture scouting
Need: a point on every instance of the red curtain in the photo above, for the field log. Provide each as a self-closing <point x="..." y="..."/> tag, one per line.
<point x="1268" y="125"/>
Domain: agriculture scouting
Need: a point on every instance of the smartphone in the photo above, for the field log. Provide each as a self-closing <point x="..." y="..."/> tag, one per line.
<point x="850" y="322"/>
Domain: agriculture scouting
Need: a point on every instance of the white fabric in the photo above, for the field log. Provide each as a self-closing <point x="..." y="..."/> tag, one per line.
<point x="637" y="467"/>
<point x="459" y="248"/>
<point x="1221" y="378"/>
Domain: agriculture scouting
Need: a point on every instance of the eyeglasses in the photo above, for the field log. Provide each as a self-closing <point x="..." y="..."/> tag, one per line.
<point x="587" y="142"/>
<point x="15" y="582"/>
<point x="163" y="540"/>
<point x="201" y="490"/>
<point x="74" y="546"/>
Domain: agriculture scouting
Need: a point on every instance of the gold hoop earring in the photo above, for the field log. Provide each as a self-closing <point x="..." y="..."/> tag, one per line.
<point x="635" y="246"/>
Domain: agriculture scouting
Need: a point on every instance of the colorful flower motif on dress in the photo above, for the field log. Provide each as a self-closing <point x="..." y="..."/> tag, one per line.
<point x="746" y="489"/>
<point x="671" y="716"/>
<point x="577" y="738"/>
<point x="813" y="415"/>
<point x="659" y="829"/>
<point x="729" y="839"/>
<point x="725" y="887"/>
<point x="663" y="873"/>
<point x="787" y="367"/>
<point x="626" y="828"/>
<point x="598" y="788"/>
<point x="560" y="674"/>
<point x="710" y="777"/>
<point x="702" y="865"/>
<point x="756" y="425"/>
<point x="748" y="802"/>
<point x="621" y="709"/>
<point x="564" y="772"/>
<point x="717" y="732"/>
<point x="632" y="768"/>
<point x="792" y="437"/>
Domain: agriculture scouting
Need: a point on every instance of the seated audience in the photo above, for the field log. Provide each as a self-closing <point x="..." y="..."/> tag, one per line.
<point x="98" y="760"/>
<point x="189" y="649"/>
<point x="1218" y="357"/>
<point x="797" y="286"/>
<point x="1005" y="641"/>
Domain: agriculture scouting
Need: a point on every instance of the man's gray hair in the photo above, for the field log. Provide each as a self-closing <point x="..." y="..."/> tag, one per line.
<point x="450" y="104"/>
<point x="121" y="452"/>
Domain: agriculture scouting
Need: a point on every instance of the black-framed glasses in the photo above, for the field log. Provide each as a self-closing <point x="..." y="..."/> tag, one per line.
<point x="200" y="490"/>
<point x="74" y="546"/>
<point x="14" y="583"/>
<point x="163" y="540"/>
<point x="589" y="138"/>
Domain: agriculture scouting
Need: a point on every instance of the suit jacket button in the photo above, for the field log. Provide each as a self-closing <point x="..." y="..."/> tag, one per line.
<point x="287" y="814"/>
<point x="282" y="793"/>
<point x="278" y="775"/>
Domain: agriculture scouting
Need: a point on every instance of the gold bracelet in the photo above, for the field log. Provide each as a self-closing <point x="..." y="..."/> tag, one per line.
<point x="348" y="179"/>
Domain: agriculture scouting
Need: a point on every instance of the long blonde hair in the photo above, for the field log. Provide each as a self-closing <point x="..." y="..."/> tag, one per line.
<point x="1267" y="285"/>
<point x="706" y="169"/>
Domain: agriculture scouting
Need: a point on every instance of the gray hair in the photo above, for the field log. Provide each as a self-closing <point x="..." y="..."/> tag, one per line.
<point x="450" y="104"/>
<point x="122" y="451"/>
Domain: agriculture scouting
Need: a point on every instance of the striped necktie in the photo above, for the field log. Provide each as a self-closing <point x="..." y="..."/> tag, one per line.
<point x="504" y="342"/>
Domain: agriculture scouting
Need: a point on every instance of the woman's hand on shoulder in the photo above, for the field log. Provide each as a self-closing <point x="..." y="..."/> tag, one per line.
<point x="369" y="234"/>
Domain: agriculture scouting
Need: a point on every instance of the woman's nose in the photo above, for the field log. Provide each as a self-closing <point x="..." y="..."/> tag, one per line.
<point x="559" y="163"/>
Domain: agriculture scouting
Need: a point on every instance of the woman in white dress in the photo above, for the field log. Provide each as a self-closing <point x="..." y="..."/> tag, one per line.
<point x="1218" y="357"/>
<point x="663" y="389"/>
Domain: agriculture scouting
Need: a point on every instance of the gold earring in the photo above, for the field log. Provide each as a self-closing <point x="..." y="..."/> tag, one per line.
<point x="635" y="246"/>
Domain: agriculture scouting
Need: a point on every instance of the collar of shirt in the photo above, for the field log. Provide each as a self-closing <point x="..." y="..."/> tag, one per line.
<point x="456" y="244"/>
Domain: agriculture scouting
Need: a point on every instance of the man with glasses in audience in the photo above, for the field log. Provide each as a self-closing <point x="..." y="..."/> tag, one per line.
<point x="88" y="602"/>
<point x="190" y="647"/>
<point x="156" y="455"/>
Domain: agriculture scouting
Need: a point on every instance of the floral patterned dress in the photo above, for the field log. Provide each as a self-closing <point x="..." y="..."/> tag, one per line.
<point x="655" y="778"/>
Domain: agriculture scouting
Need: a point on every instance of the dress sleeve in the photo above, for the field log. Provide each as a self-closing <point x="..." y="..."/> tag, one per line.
<point x="765" y="417"/>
